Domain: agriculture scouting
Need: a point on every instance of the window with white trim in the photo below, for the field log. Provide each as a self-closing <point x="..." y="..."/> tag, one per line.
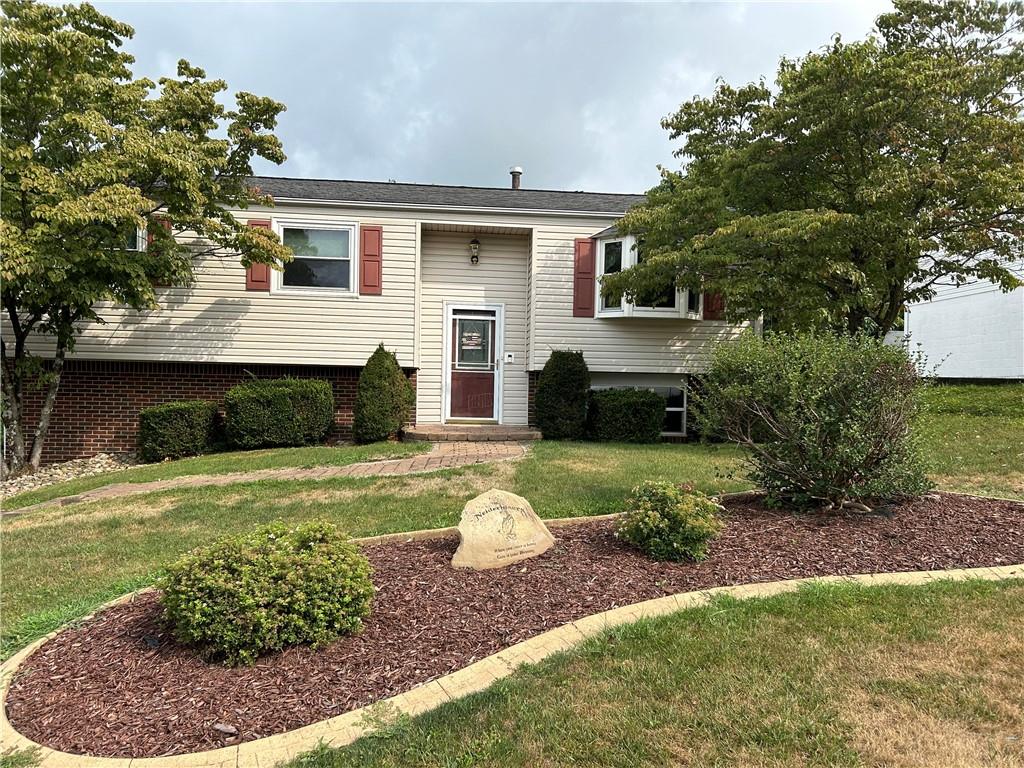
<point x="675" y="411"/>
<point x="324" y="257"/>
<point x="611" y="254"/>
<point x="617" y="253"/>
<point x="136" y="240"/>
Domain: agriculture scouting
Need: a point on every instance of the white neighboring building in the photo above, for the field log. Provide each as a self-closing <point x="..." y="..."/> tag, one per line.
<point x="973" y="331"/>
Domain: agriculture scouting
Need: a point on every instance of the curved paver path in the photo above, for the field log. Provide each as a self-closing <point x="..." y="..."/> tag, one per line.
<point x="440" y="456"/>
<point x="344" y="729"/>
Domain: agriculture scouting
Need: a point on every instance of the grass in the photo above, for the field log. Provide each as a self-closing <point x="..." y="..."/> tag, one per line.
<point x="221" y="463"/>
<point x="567" y="479"/>
<point x="846" y="676"/>
<point x="973" y="436"/>
<point x="95" y="551"/>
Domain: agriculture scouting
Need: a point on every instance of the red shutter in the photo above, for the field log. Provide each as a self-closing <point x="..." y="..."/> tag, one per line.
<point x="371" y="253"/>
<point x="163" y="221"/>
<point x="257" y="276"/>
<point x="583" y="277"/>
<point x="714" y="306"/>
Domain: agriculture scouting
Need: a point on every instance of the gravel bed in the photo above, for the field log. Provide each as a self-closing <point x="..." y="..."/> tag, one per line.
<point x="68" y="470"/>
<point x="103" y="689"/>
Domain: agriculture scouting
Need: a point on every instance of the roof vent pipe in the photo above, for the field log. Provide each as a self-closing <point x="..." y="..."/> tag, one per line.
<point x="517" y="173"/>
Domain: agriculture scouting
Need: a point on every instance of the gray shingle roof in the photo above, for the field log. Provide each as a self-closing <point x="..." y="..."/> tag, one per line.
<point x="393" y="193"/>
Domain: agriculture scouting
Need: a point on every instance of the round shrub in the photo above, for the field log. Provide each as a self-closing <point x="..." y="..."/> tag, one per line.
<point x="384" y="399"/>
<point x="669" y="522"/>
<point x="626" y="415"/>
<point x="174" y="430"/>
<point x="562" y="395"/>
<point x="280" y="586"/>
<point x="826" y="419"/>
<point x="268" y="413"/>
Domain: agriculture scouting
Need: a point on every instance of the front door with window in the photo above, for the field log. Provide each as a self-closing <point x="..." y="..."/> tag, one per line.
<point x="473" y="367"/>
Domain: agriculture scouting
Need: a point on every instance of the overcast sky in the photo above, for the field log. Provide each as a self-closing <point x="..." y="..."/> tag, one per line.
<point x="455" y="94"/>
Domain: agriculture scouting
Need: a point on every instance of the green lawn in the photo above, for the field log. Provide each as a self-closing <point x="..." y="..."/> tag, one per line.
<point x="973" y="437"/>
<point x="838" y="676"/>
<point x="94" y="552"/>
<point x="221" y="463"/>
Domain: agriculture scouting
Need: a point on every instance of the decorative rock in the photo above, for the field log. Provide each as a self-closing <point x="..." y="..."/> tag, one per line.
<point x="498" y="528"/>
<point x="227" y="730"/>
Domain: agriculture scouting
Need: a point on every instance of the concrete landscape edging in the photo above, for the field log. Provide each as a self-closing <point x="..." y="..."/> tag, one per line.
<point x="346" y="728"/>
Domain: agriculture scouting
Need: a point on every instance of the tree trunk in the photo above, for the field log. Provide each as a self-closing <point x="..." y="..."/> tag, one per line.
<point x="44" y="415"/>
<point x="13" y="409"/>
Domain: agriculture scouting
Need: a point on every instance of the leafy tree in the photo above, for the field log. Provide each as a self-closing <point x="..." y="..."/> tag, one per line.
<point x="90" y="157"/>
<point x="870" y="173"/>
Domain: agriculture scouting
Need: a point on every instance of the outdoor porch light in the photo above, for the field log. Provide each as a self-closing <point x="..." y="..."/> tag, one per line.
<point x="474" y="251"/>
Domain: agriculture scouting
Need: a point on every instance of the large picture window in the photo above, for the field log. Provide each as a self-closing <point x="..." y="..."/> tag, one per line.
<point x="323" y="258"/>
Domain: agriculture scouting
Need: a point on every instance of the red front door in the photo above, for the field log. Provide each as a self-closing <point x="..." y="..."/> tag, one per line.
<point x="473" y="364"/>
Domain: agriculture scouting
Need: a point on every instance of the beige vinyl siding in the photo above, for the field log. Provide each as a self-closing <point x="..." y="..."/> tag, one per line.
<point x="614" y="345"/>
<point x="447" y="276"/>
<point x="218" y="320"/>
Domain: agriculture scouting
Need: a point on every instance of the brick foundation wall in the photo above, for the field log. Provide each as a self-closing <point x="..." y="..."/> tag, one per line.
<point x="531" y="398"/>
<point x="98" y="402"/>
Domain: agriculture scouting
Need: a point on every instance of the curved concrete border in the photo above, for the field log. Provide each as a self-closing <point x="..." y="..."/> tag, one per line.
<point x="344" y="729"/>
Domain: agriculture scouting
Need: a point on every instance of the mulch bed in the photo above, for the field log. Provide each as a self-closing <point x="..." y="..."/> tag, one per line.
<point x="101" y="689"/>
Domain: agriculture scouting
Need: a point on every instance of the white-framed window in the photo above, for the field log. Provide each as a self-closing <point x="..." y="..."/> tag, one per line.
<point x="136" y="240"/>
<point x="675" y="411"/>
<point x="325" y="260"/>
<point x="616" y="253"/>
<point x="611" y="259"/>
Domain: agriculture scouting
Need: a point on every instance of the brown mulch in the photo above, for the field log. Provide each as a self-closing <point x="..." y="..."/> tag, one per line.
<point x="102" y="688"/>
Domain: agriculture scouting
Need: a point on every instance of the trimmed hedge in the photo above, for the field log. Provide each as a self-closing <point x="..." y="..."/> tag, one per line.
<point x="278" y="412"/>
<point x="174" y="430"/>
<point x="280" y="586"/>
<point x="669" y="522"/>
<point x="626" y="415"/>
<point x="384" y="398"/>
<point x="562" y="395"/>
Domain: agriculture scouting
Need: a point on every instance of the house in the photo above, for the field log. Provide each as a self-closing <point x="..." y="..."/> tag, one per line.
<point x="470" y="287"/>
<point x="972" y="331"/>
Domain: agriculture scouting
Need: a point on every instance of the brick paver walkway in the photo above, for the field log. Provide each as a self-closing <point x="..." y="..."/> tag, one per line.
<point x="440" y="456"/>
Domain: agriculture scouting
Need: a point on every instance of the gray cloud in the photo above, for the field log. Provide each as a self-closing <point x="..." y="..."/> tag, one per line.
<point x="455" y="94"/>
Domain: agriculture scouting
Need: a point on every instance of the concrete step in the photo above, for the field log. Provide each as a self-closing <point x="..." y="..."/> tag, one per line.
<point x="443" y="433"/>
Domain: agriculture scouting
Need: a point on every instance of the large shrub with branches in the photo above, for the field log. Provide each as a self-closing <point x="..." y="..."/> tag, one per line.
<point x="826" y="419"/>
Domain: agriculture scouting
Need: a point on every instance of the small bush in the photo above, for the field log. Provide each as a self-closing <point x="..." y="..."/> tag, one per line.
<point x="384" y="398"/>
<point x="174" y="430"/>
<point x="670" y="522"/>
<point x="825" y="418"/>
<point x="562" y="396"/>
<point x="278" y="412"/>
<point x="280" y="586"/>
<point x="626" y="415"/>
